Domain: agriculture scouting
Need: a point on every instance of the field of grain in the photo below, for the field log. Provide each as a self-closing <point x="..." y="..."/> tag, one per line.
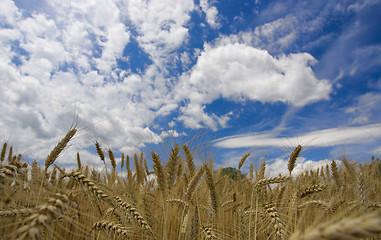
<point x="182" y="199"/>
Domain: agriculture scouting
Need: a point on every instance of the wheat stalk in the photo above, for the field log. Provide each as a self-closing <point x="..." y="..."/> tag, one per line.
<point x="194" y="225"/>
<point x="344" y="229"/>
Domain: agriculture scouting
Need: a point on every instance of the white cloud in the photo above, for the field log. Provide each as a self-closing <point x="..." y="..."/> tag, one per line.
<point x="9" y="13"/>
<point x="240" y="72"/>
<point x="283" y="29"/>
<point x="169" y="133"/>
<point x="117" y="37"/>
<point x="160" y="25"/>
<point x="211" y="13"/>
<point x="320" y="138"/>
<point x="365" y="108"/>
<point x="94" y="25"/>
<point x="70" y="63"/>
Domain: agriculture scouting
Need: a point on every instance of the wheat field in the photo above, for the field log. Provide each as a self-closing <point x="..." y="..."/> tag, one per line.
<point x="182" y="199"/>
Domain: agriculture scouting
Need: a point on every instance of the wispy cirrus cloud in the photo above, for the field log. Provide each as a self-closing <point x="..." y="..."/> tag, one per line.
<point x="319" y="138"/>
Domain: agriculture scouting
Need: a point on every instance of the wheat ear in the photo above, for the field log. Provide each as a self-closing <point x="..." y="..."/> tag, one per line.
<point x="212" y="188"/>
<point x="193" y="183"/>
<point x="172" y="165"/>
<point x="3" y="151"/>
<point x="79" y="177"/>
<point x="294" y="156"/>
<point x="177" y="201"/>
<point x="159" y="171"/>
<point x="310" y="189"/>
<point x="112" y="159"/>
<point x="118" y="229"/>
<point x="273" y="214"/>
<point x="47" y="212"/>
<point x="335" y="173"/>
<point x="243" y="160"/>
<point x="79" y="161"/>
<point x="262" y="170"/>
<point x="318" y="203"/>
<point x="15" y="212"/>
<point x="189" y="160"/>
<point x="129" y="209"/>
<point x="271" y="180"/>
<point x="208" y="231"/>
<point x="59" y="148"/>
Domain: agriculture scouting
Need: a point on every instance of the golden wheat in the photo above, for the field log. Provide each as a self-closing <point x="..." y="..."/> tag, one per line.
<point x="181" y="201"/>
<point x="59" y="148"/>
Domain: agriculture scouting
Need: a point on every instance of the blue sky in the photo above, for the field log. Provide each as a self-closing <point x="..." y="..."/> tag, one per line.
<point x="248" y="76"/>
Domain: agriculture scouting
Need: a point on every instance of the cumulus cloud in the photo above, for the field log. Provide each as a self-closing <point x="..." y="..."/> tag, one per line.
<point x="320" y="138"/>
<point x="211" y="13"/>
<point x="160" y="25"/>
<point x="9" y="13"/>
<point x="169" y="133"/>
<point x="67" y="60"/>
<point x="240" y="72"/>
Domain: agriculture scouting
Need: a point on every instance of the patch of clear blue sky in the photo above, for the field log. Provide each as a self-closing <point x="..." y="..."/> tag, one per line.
<point x="137" y="59"/>
<point x="237" y="15"/>
<point x="21" y="53"/>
